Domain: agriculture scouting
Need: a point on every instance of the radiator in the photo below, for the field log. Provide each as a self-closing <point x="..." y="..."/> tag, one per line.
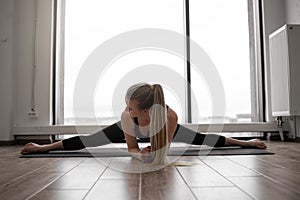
<point x="284" y="46"/>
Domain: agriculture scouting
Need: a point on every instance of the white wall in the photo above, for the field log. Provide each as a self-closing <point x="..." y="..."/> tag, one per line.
<point x="16" y="24"/>
<point x="6" y="69"/>
<point x="293" y="11"/>
<point x="24" y="14"/>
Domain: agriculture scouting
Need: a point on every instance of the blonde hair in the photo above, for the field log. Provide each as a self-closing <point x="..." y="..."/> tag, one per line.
<point x="152" y="97"/>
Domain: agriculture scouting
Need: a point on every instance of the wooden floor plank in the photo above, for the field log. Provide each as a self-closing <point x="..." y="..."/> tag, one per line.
<point x="125" y="189"/>
<point x="253" y="162"/>
<point x="60" y="195"/>
<point x="263" y="188"/>
<point x="287" y="178"/>
<point x="202" y="176"/>
<point x="224" y="193"/>
<point x="126" y="164"/>
<point x="28" y="185"/>
<point x="10" y="170"/>
<point x="8" y="149"/>
<point x="228" y="168"/>
<point x="164" y="184"/>
<point x="63" y="164"/>
<point x="283" y="162"/>
<point x="81" y="178"/>
<point x="123" y="168"/>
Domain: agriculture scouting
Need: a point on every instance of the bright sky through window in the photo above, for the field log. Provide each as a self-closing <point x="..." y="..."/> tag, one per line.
<point x="219" y="27"/>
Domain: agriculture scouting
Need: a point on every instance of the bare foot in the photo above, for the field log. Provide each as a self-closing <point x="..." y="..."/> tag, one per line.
<point x="256" y="143"/>
<point x="32" y="148"/>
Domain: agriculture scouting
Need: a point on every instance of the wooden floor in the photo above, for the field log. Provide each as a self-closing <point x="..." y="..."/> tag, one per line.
<point x="213" y="177"/>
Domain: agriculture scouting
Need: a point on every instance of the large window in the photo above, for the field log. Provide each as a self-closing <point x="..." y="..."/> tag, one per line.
<point x="219" y="27"/>
<point x="90" y="23"/>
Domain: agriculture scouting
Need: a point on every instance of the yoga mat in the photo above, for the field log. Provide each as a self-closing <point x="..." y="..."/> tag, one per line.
<point x="175" y="151"/>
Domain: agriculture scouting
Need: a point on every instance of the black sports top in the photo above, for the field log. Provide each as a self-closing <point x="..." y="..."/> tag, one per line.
<point x="141" y="138"/>
<point x="137" y="130"/>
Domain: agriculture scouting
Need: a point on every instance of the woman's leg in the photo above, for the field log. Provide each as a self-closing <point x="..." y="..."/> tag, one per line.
<point x="192" y="137"/>
<point x="36" y="148"/>
<point x="189" y="136"/>
<point x="112" y="133"/>
<point x="256" y="143"/>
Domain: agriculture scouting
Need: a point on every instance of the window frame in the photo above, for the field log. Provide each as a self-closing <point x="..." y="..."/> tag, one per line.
<point x="58" y="61"/>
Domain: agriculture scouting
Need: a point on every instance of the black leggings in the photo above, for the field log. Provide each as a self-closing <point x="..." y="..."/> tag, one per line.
<point x="114" y="134"/>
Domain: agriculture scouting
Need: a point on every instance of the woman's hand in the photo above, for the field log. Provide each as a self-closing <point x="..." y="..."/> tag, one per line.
<point x="146" y="154"/>
<point x="147" y="149"/>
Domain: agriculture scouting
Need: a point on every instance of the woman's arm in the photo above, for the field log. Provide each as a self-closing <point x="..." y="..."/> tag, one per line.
<point x="128" y="129"/>
<point x="132" y="144"/>
<point x="172" y="124"/>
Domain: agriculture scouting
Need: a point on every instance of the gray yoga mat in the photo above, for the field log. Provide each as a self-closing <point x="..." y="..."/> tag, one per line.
<point x="174" y="151"/>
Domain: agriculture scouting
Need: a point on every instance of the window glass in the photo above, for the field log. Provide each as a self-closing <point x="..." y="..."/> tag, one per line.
<point x="221" y="29"/>
<point x="89" y="23"/>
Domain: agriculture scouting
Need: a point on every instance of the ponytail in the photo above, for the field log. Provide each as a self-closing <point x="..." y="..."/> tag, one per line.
<point x="158" y="127"/>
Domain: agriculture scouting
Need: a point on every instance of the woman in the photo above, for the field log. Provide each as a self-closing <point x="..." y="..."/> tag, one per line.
<point x="146" y="118"/>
